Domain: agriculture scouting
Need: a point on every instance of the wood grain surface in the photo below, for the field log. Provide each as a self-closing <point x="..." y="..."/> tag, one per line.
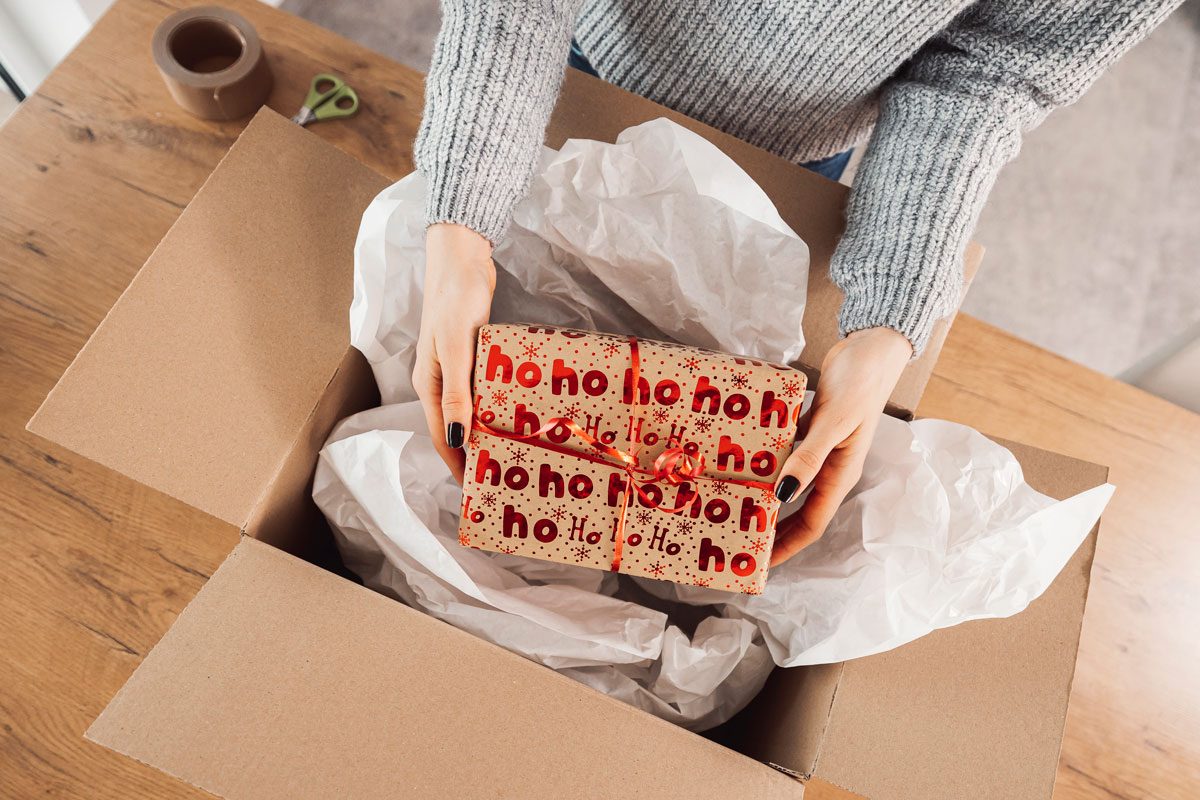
<point x="93" y="567"/>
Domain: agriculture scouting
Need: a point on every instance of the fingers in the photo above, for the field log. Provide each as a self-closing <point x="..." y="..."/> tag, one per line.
<point x="427" y="379"/>
<point x="839" y="474"/>
<point x="456" y="357"/>
<point x="805" y="461"/>
<point x="830" y="460"/>
<point x="459" y="280"/>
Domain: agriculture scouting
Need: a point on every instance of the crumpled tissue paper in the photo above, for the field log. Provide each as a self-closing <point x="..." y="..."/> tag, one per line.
<point x="662" y="236"/>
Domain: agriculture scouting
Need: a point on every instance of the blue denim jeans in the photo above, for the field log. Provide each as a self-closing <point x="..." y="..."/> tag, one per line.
<point x="579" y="61"/>
<point x="831" y="167"/>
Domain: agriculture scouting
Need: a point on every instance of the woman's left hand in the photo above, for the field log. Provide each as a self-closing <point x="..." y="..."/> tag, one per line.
<point x="857" y="379"/>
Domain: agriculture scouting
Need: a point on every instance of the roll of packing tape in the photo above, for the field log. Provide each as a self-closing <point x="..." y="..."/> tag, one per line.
<point x="213" y="62"/>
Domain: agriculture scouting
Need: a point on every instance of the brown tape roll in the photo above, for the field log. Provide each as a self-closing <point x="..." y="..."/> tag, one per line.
<point x="213" y="62"/>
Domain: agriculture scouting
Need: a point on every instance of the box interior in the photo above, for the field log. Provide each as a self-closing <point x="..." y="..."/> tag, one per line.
<point x="218" y="384"/>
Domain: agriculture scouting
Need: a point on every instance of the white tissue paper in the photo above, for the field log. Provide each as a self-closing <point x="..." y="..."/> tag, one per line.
<point x="662" y="236"/>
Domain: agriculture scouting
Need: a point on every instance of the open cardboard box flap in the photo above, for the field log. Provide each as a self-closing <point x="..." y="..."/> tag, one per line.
<point x="216" y="378"/>
<point x="282" y="680"/>
<point x="327" y="689"/>
<point x="202" y="375"/>
<point x="976" y="710"/>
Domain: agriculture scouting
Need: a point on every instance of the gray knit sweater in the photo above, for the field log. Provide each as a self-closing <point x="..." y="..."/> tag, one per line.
<point x="944" y="89"/>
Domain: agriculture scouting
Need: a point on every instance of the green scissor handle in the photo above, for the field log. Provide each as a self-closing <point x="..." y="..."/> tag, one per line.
<point x="329" y="97"/>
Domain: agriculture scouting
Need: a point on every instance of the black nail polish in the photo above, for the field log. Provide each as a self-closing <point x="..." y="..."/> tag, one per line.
<point x="454" y="434"/>
<point x="787" y="489"/>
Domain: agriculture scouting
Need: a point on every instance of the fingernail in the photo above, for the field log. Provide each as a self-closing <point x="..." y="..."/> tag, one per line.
<point x="787" y="489"/>
<point x="454" y="434"/>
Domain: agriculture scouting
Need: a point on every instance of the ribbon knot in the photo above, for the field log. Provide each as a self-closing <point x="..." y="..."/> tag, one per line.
<point x="675" y="465"/>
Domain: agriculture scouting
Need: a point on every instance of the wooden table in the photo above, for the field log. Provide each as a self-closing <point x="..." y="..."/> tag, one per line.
<point x="93" y="568"/>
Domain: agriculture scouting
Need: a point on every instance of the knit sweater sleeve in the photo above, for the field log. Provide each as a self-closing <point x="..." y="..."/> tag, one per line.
<point x="495" y="75"/>
<point x="948" y="121"/>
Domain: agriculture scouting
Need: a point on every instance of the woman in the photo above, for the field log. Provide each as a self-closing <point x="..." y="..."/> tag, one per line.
<point x="944" y="88"/>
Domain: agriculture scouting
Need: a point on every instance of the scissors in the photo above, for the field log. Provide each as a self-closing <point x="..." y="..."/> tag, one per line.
<point x="329" y="97"/>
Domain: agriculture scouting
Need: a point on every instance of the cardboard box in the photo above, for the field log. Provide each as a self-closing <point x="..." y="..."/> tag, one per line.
<point x="653" y="459"/>
<point x="216" y="377"/>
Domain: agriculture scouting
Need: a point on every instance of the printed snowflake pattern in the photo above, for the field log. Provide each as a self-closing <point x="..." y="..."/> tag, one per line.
<point x="611" y="354"/>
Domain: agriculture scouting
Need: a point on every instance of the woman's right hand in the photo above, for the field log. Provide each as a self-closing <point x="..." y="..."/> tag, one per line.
<point x="459" y="281"/>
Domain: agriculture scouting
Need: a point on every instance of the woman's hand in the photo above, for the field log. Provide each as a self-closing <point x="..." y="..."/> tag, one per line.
<point x="459" y="281"/>
<point x="857" y="379"/>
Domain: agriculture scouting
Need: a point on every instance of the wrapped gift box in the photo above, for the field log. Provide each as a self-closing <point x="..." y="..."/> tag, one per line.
<point x="629" y="455"/>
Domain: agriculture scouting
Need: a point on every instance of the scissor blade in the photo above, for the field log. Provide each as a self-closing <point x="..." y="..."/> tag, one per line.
<point x="303" y="116"/>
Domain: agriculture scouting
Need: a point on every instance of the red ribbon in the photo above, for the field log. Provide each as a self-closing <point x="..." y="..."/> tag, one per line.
<point x="674" y="465"/>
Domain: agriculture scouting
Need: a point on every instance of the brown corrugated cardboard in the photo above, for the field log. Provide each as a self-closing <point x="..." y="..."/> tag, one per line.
<point x="950" y="697"/>
<point x="292" y="701"/>
<point x="202" y="355"/>
<point x="785" y="724"/>
<point x="284" y="514"/>
<point x="953" y="696"/>
<point x="812" y="205"/>
<point x="327" y="689"/>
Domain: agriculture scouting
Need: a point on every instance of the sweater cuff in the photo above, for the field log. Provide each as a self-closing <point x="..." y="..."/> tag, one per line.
<point x="496" y="71"/>
<point x="885" y="301"/>
<point x="931" y="161"/>
<point x="485" y="206"/>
